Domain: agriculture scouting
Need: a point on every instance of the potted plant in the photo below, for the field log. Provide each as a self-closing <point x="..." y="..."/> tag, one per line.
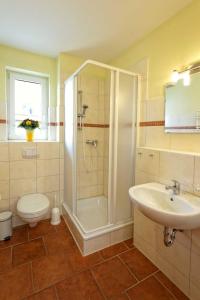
<point x="29" y="125"/>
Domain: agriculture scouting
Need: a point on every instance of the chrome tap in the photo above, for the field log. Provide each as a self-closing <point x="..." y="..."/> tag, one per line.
<point x="175" y="187"/>
<point x="92" y="142"/>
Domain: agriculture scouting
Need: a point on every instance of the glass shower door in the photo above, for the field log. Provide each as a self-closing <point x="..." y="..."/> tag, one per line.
<point x="69" y="147"/>
<point x="125" y="118"/>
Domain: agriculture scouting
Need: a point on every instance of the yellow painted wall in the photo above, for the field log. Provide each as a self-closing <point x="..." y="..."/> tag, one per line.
<point x="11" y="57"/>
<point x="174" y="44"/>
<point x="68" y="64"/>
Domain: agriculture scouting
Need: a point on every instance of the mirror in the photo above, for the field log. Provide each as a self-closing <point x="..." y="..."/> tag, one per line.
<point x="182" y="105"/>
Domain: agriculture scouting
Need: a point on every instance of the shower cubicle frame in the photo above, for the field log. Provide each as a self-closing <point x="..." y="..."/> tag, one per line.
<point x="114" y="94"/>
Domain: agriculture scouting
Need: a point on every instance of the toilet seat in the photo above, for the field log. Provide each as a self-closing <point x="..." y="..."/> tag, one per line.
<point x="32" y="205"/>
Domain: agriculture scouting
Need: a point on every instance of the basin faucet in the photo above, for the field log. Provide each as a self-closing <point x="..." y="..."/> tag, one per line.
<point x="175" y="187"/>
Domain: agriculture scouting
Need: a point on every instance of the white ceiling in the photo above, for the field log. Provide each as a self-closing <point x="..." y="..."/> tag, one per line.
<point x="97" y="29"/>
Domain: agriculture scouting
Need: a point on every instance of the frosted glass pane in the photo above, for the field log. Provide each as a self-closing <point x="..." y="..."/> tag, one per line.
<point x="28" y="100"/>
<point x="125" y="146"/>
<point x="69" y="144"/>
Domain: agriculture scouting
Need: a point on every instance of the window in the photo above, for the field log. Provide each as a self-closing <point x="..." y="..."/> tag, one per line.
<point x="27" y="98"/>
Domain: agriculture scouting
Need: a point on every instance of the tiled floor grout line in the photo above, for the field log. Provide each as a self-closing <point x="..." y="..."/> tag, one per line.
<point x="28" y="235"/>
<point x="88" y="268"/>
<point x="107" y="259"/>
<point x="124" y="251"/>
<point x="44" y="244"/>
<point x="127" y="267"/>
<point x="97" y="284"/>
<point x="11" y="252"/>
<point x="56" y="292"/>
<point x="36" y="291"/>
<point x="39" y="290"/>
<point x="104" y="260"/>
<point x="165" y="286"/>
<point x="140" y="281"/>
<point x="124" y="244"/>
<point x="38" y="237"/>
<point x="127" y="295"/>
<point x="13" y="245"/>
<point x="6" y="247"/>
<point x="32" y="280"/>
<point x="65" y="278"/>
<point x="101" y="255"/>
<point x="42" y="237"/>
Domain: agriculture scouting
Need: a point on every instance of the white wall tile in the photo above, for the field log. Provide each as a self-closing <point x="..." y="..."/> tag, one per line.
<point x="3" y="132"/>
<point x="23" y="169"/>
<point x="143" y="111"/>
<point x="173" y="261"/>
<point x="47" y="184"/>
<point x="194" y="291"/>
<point x="54" y="198"/>
<point x="141" y="136"/>
<point x="156" y="137"/>
<point x="47" y="167"/>
<point x="142" y="177"/>
<point x="20" y="187"/>
<point x="177" y="166"/>
<point x="48" y="150"/>
<point x="61" y="150"/>
<point x="197" y="173"/>
<point x="16" y="149"/>
<point x="61" y="178"/>
<point x="18" y="174"/>
<point x="155" y="109"/>
<point x="61" y="166"/>
<point x="181" y="261"/>
<point x="4" y="189"/>
<point x="147" y="161"/>
<point x="4" y="152"/>
<point x="4" y="204"/>
<point x="4" y="170"/>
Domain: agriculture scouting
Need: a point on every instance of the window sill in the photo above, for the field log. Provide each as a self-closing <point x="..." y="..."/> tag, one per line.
<point x="24" y="141"/>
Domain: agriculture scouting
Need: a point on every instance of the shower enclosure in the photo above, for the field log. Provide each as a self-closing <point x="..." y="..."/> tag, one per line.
<point x="100" y="136"/>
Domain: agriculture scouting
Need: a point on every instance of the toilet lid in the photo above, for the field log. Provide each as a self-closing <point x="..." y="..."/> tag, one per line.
<point x="33" y="204"/>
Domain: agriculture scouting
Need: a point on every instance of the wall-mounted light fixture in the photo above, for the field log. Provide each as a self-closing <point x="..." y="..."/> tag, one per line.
<point x="186" y="78"/>
<point x="185" y="73"/>
<point x="175" y="76"/>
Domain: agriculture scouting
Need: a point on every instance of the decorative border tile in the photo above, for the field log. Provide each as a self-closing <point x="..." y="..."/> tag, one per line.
<point x="152" y="123"/>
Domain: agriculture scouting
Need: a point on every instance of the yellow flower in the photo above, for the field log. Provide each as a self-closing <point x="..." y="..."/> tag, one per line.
<point x="28" y="123"/>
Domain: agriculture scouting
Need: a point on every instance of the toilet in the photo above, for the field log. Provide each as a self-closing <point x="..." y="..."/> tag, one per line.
<point x="32" y="208"/>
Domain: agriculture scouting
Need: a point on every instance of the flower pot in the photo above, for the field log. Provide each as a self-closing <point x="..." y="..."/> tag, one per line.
<point x="29" y="135"/>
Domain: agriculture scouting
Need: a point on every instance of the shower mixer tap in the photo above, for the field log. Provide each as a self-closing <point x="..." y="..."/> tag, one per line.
<point x="92" y="142"/>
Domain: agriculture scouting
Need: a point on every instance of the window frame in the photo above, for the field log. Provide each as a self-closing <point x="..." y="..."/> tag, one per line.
<point x="13" y="75"/>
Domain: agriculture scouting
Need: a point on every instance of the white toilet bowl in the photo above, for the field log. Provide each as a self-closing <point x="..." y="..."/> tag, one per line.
<point x="32" y="208"/>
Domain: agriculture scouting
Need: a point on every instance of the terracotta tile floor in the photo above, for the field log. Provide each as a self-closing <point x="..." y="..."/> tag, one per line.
<point x="44" y="263"/>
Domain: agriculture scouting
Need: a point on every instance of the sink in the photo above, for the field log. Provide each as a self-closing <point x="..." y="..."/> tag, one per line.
<point x="176" y="211"/>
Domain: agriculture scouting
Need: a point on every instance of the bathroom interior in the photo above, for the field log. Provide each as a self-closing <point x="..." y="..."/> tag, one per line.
<point x="100" y="150"/>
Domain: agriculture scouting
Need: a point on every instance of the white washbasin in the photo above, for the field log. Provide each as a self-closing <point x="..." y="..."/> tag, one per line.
<point x="176" y="211"/>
